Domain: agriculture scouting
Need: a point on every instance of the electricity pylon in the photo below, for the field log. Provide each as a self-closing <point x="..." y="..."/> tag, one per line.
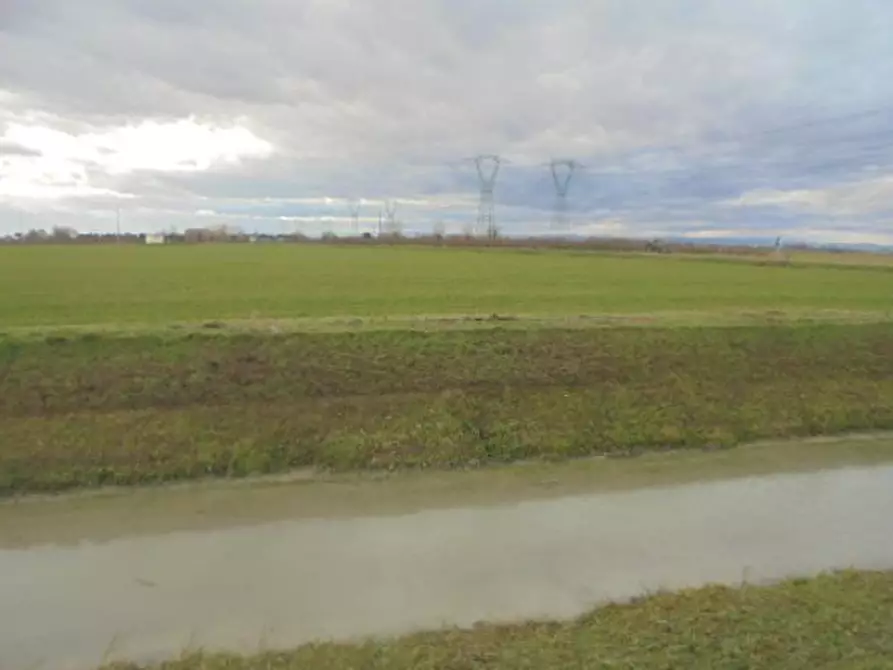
<point x="562" y="173"/>
<point x="390" y="212"/>
<point x="355" y="215"/>
<point x="488" y="170"/>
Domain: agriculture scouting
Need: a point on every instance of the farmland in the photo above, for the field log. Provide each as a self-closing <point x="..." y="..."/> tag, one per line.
<point x="111" y="286"/>
<point x="195" y="361"/>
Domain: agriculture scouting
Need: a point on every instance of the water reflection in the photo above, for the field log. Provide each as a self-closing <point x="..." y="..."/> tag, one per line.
<point x="289" y="582"/>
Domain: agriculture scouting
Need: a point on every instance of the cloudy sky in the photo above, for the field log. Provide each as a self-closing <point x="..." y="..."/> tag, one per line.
<point x="694" y="117"/>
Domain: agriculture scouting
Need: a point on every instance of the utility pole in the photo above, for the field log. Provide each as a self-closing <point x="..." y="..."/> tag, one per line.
<point x="562" y="173"/>
<point x="118" y="224"/>
<point x="488" y="170"/>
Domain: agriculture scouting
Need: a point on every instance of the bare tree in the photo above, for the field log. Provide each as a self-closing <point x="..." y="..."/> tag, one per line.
<point x="64" y="234"/>
<point x="439" y="230"/>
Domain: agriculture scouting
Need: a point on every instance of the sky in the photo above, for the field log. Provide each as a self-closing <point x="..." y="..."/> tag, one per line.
<point x="695" y="118"/>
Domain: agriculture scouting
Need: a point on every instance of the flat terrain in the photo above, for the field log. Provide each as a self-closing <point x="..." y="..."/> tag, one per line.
<point x="842" y="258"/>
<point x="840" y="620"/>
<point x="267" y="370"/>
<point x="118" y="286"/>
<point x="134" y="366"/>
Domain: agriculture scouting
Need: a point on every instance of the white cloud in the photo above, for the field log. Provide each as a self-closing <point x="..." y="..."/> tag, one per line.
<point x="58" y="164"/>
<point x="46" y="177"/>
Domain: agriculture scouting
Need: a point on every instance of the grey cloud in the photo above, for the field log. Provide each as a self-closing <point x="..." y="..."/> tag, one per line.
<point x="385" y="97"/>
<point x="8" y="148"/>
<point x="444" y="63"/>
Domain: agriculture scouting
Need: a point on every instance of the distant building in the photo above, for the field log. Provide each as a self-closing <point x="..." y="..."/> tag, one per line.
<point x="155" y="238"/>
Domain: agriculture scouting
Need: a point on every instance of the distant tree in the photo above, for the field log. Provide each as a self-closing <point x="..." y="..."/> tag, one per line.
<point x="64" y="234"/>
<point x="657" y="247"/>
<point x="36" y="235"/>
<point x="439" y="230"/>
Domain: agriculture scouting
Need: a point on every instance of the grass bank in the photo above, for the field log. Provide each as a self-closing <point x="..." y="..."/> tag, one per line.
<point x="842" y="620"/>
<point x="91" y="410"/>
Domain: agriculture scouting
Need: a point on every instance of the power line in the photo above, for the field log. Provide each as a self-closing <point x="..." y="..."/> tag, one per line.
<point x="797" y="162"/>
<point x="809" y="122"/>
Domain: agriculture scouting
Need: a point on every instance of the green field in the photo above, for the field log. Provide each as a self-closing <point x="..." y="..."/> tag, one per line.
<point x="108" y="285"/>
<point x="123" y="397"/>
<point x="833" y="621"/>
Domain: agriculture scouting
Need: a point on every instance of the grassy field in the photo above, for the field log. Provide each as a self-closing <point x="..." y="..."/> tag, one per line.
<point x="123" y="398"/>
<point x="57" y="286"/>
<point x="843" y="620"/>
<point x="842" y="258"/>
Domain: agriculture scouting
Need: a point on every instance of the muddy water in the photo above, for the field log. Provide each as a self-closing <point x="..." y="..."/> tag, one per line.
<point x="291" y="581"/>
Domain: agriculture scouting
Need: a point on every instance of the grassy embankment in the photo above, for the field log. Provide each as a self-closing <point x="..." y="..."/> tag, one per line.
<point x="124" y="399"/>
<point x="843" y="620"/>
<point x="98" y="410"/>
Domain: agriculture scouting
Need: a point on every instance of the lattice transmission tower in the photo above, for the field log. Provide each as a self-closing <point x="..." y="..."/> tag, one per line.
<point x="390" y="213"/>
<point x="355" y="206"/>
<point x="488" y="170"/>
<point x="562" y="174"/>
